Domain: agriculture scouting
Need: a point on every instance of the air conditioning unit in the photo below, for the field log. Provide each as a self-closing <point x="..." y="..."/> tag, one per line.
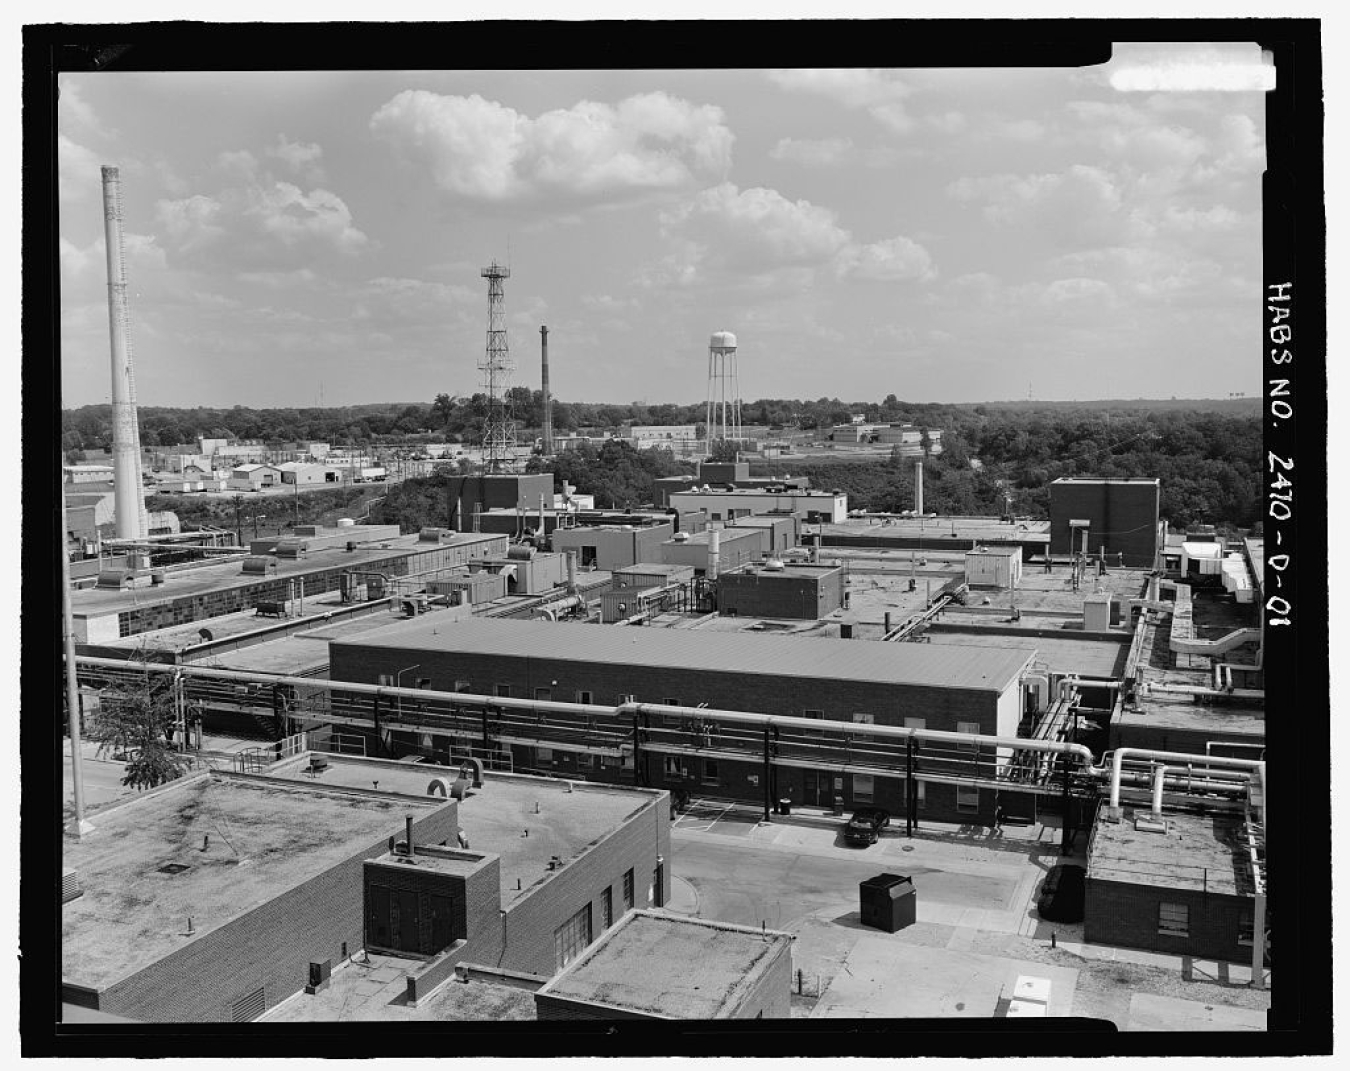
<point x="71" y="889"/>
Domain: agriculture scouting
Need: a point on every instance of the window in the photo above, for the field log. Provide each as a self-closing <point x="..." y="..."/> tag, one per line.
<point x="862" y="788"/>
<point x="607" y="909"/>
<point x="860" y="718"/>
<point x="384" y="679"/>
<point x="967" y="798"/>
<point x="971" y="727"/>
<point x="543" y="694"/>
<point x="463" y="686"/>
<point x="584" y="698"/>
<point x="588" y="555"/>
<point x="710" y="772"/>
<point x="503" y="691"/>
<point x="543" y="755"/>
<point x="674" y="766"/>
<point x="572" y="937"/>
<point x="628" y="891"/>
<point x="1174" y="920"/>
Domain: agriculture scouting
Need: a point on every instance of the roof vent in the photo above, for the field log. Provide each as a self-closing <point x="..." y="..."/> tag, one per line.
<point x="774" y="565"/>
<point x="680" y="537"/>
<point x="1150" y="824"/>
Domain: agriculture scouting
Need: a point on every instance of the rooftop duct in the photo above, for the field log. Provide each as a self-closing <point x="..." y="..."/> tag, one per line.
<point x="259" y="565"/>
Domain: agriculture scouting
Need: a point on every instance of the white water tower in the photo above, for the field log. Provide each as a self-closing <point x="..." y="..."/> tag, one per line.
<point x="724" y="390"/>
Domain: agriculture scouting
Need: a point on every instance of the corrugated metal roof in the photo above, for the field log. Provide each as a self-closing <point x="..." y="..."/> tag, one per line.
<point x="983" y="668"/>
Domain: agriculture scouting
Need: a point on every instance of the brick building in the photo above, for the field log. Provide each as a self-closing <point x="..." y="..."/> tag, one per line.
<point x="1182" y="884"/>
<point x="1122" y="516"/>
<point x="613" y="546"/>
<point x="801" y="591"/>
<point x="310" y="865"/>
<point x="957" y="688"/>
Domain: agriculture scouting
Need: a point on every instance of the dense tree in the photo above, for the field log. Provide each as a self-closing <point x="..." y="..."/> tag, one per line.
<point x="138" y="718"/>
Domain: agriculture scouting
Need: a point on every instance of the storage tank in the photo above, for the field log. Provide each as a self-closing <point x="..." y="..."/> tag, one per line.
<point x="722" y="340"/>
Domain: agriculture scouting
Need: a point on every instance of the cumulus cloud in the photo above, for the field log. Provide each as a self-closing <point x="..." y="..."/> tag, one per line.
<point x="482" y="149"/>
<point x="78" y="168"/>
<point x="881" y="93"/>
<point x="74" y="109"/>
<point x="258" y="219"/>
<point x="304" y="159"/>
<point x="776" y="242"/>
<point x="894" y="260"/>
<point x="812" y="152"/>
<point x="758" y="227"/>
<point x="1082" y="205"/>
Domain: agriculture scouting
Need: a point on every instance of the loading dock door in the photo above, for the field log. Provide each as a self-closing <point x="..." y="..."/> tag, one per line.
<point x="394" y="918"/>
<point x="820" y="788"/>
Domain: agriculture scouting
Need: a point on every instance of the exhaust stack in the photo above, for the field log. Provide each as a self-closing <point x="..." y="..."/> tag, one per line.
<point x="548" y="398"/>
<point x="129" y="502"/>
<point x="918" y="486"/>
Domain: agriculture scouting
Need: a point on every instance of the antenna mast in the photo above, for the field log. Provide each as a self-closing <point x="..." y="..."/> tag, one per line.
<point x="499" y="430"/>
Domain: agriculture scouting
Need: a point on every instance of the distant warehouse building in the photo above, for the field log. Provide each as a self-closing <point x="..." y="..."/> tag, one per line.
<point x="957" y="688"/>
<point x="814" y="507"/>
<point x="1121" y="518"/>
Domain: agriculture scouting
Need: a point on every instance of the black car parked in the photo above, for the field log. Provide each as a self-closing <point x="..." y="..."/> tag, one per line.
<point x="866" y="825"/>
<point x="1062" y="894"/>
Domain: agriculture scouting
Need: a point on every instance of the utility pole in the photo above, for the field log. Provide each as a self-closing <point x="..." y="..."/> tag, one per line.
<point x="238" y="523"/>
<point x="72" y="697"/>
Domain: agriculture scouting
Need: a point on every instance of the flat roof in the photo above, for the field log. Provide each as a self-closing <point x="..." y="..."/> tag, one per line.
<point x="494" y="818"/>
<point x="264" y="837"/>
<point x="205" y="579"/>
<point x="1083" y="656"/>
<point x="1198" y="852"/>
<point x="712" y="965"/>
<point x="936" y="532"/>
<point x="762" y="492"/>
<point x="376" y="990"/>
<point x="982" y="668"/>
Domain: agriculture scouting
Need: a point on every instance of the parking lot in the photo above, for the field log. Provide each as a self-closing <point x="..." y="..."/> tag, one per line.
<point x="976" y="928"/>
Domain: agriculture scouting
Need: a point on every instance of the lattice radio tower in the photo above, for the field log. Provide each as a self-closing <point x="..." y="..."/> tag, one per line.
<point x="499" y="431"/>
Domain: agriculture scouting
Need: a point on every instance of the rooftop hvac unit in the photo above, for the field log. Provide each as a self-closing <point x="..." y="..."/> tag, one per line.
<point x="306" y="529"/>
<point x="113" y="579"/>
<point x="681" y="537"/>
<point x="291" y="548"/>
<point x="773" y="565"/>
<point x="520" y="552"/>
<point x="259" y="565"/>
<point x="432" y="535"/>
<point x="345" y="522"/>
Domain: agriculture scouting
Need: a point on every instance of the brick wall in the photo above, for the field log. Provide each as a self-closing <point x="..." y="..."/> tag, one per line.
<point x="770" y="997"/>
<point x="270" y="946"/>
<point x="532" y="920"/>
<point x="1122" y="914"/>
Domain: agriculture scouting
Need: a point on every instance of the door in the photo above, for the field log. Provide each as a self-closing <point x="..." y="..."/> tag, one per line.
<point x="819" y="788"/>
<point x="406" y="924"/>
<point x="442" y="930"/>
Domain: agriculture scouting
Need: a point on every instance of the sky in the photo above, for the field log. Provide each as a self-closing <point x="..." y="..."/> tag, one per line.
<point x="296" y="239"/>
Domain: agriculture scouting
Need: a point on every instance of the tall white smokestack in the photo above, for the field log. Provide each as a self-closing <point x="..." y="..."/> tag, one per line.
<point x="128" y="499"/>
<point x="918" y="486"/>
<point x="714" y="552"/>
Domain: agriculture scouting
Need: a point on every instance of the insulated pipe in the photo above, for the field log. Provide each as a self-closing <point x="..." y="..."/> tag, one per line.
<point x="571" y="572"/>
<point x="1079" y="751"/>
<point x="714" y="552"/>
<point x="918" y="486"/>
<point x="1118" y="761"/>
<point x="1159" y="772"/>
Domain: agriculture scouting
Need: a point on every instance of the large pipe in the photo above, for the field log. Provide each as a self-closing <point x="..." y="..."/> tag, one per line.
<point x="1175" y="758"/>
<point x="128" y="500"/>
<point x="714" y="553"/>
<point x="548" y="398"/>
